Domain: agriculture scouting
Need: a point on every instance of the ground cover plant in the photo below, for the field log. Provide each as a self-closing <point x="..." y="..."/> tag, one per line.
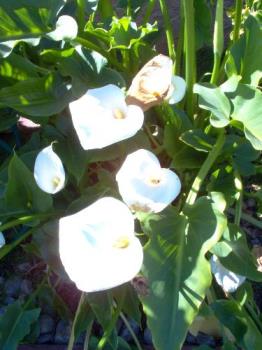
<point x="125" y="169"/>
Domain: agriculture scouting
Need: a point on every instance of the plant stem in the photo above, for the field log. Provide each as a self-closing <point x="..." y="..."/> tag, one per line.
<point x="238" y="12"/>
<point x="239" y="202"/>
<point x="24" y="220"/>
<point x="128" y="8"/>
<point x="81" y="13"/>
<point x="190" y="55"/>
<point x="89" y="45"/>
<point x="247" y="218"/>
<point x="150" y="7"/>
<point x="218" y="40"/>
<point x="72" y="334"/>
<point x="179" y="49"/>
<point x="168" y="30"/>
<point x="206" y="166"/>
<point x="131" y="331"/>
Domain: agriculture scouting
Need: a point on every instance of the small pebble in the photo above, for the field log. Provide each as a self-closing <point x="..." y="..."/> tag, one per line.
<point x="26" y="287"/>
<point x="9" y="300"/>
<point x="62" y="333"/>
<point x="206" y="339"/>
<point x="125" y="334"/>
<point x="148" y="337"/>
<point x="47" y="324"/>
<point x="23" y="267"/>
<point x="45" y="338"/>
<point x="12" y="286"/>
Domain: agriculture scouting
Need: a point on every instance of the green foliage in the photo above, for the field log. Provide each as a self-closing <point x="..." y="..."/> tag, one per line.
<point x="174" y="261"/>
<point x="15" y="324"/>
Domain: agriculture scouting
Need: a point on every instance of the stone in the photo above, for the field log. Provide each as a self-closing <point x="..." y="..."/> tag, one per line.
<point x="26" y="287"/>
<point x="47" y="324"/>
<point x="23" y="267"/>
<point x="9" y="300"/>
<point x="148" y="337"/>
<point x="13" y="286"/>
<point x="2" y="310"/>
<point x="126" y="335"/>
<point x="62" y="333"/>
<point x="45" y="338"/>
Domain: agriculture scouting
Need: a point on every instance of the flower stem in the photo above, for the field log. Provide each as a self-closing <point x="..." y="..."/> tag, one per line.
<point x="131" y="331"/>
<point x="81" y="13"/>
<point x="190" y="55"/>
<point x="239" y="202"/>
<point x="90" y="45"/>
<point x="168" y="30"/>
<point x="238" y="12"/>
<point x="150" y="7"/>
<point x="206" y="166"/>
<point x="247" y="218"/>
<point x="218" y="40"/>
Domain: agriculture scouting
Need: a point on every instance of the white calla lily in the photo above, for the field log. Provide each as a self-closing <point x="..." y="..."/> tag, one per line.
<point x="101" y="117"/>
<point x="177" y="90"/>
<point x="98" y="247"/>
<point x="66" y="29"/>
<point x="49" y="172"/>
<point x="2" y="240"/>
<point x="228" y="280"/>
<point x="144" y="185"/>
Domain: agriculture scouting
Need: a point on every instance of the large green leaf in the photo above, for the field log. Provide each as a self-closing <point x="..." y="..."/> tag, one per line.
<point x="22" y="191"/>
<point x="176" y="268"/>
<point x="247" y="103"/>
<point x="214" y="100"/>
<point x="15" y="324"/>
<point x="37" y="96"/>
<point x="233" y="250"/>
<point x="25" y="20"/>
<point x="245" y="54"/>
<point x="233" y="316"/>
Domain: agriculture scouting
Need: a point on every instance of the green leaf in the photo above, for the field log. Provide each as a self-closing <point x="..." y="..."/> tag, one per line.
<point x="203" y="24"/>
<point x="37" y="96"/>
<point x="15" y="324"/>
<point x="214" y="100"/>
<point x="46" y="240"/>
<point x="25" y="20"/>
<point x="245" y="54"/>
<point x="126" y="296"/>
<point x="177" y="271"/>
<point x="22" y="191"/>
<point x="233" y="250"/>
<point x="198" y="140"/>
<point x="234" y="317"/>
<point x="247" y="102"/>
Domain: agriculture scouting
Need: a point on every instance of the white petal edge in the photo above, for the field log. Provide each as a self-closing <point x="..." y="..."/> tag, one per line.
<point x="49" y="172"/>
<point x="86" y="246"/>
<point x="178" y="90"/>
<point x="93" y="120"/>
<point x="228" y="280"/>
<point x="66" y="29"/>
<point x="137" y="192"/>
<point x="2" y="240"/>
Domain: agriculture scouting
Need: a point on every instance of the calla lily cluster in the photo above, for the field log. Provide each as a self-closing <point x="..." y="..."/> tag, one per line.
<point x="97" y="245"/>
<point x="228" y="280"/>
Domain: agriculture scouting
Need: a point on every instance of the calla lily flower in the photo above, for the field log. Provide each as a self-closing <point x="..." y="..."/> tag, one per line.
<point x="155" y="83"/>
<point x="2" y="240"/>
<point x="144" y="185"/>
<point x="49" y="172"/>
<point x="228" y="280"/>
<point x="101" y="117"/>
<point x="98" y="247"/>
<point x="66" y="29"/>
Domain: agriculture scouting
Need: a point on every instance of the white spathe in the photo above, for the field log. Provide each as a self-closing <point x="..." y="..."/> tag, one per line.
<point x="98" y="247"/>
<point x="66" y="29"/>
<point x="101" y="117"/>
<point x="49" y="172"/>
<point x="2" y="240"/>
<point x="177" y="90"/>
<point x="228" y="280"/>
<point x="144" y="185"/>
